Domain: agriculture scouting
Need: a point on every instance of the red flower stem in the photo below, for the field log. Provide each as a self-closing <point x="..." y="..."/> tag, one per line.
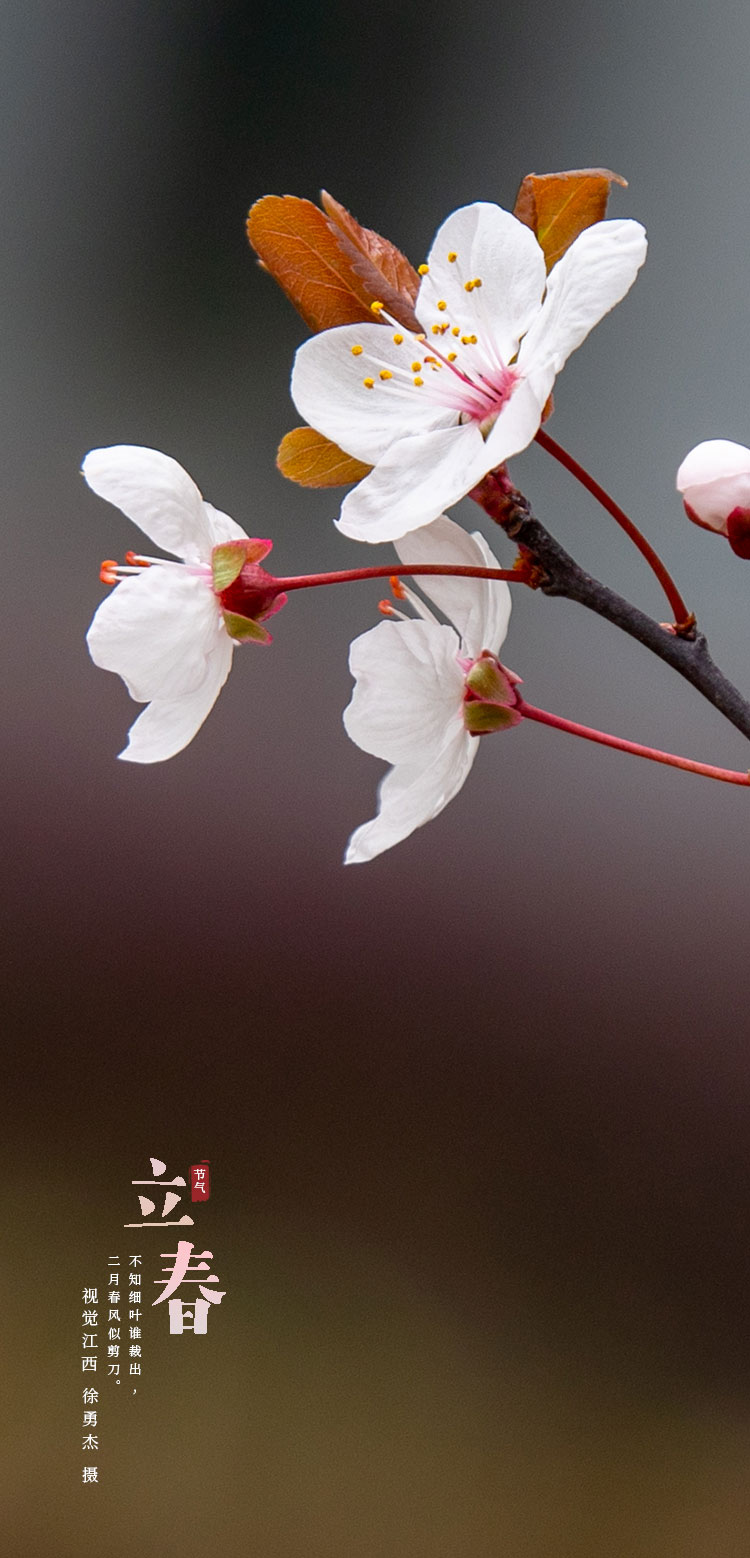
<point x="308" y="581"/>
<point x="728" y="775"/>
<point x="681" y="614"/>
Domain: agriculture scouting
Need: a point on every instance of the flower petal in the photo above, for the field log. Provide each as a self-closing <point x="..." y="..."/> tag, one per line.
<point x="222" y="528"/>
<point x="413" y="482"/>
<point x="408" y="691"/>
<point x="328" y="389"/>
<point x="520" y="419"/>
<point x="714" y="479"/>
<point x="595" y="273"/>
<point x="157" y="630"/>
<point x="165" y="727"/>
<point x="479" y="608"/>
<point x="156" y="493"/>
<point x="492" y="245"/>
<point x="412" y="794"/>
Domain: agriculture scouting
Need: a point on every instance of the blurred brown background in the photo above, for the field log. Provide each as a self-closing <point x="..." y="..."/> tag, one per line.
<point x="477" y="1112"/>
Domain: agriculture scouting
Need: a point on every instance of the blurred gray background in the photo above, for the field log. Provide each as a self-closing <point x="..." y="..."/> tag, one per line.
<point x="477" y="1111"/>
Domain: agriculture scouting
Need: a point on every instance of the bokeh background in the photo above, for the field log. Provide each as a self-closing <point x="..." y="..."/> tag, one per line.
<point x="477" y="1112"/>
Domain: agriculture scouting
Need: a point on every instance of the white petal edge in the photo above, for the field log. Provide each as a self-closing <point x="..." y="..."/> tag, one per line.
<point x="166" y="727"/>
<point x="492" y="245"/>
<point x="414" y="481"/>
<point x="412" y="794"/>
<point x="156" y="493"/>
<point x="479" y="608"/>
<point x="157" y="630"/>
<point x="328" y="390"/>
<point x="715" y="458"/>
<point x="593" y="275"/>
<point x="221" y="527"/>
<point x="408" y="690"/>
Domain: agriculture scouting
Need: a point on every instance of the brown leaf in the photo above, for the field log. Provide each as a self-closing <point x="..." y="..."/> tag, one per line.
<point x="314" y="461"/>
<point x="559" y="206"/>
<point x="385" y="271"/>
<point x="297" y="244"/>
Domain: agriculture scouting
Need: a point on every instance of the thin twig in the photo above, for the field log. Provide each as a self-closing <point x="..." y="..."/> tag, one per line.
<point x="559" y="574"/>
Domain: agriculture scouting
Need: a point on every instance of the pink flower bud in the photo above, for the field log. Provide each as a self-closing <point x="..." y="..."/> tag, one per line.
<point x="714" y="480"/>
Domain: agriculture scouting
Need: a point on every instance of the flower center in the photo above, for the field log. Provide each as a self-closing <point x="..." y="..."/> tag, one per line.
<point x="449" y="364"/>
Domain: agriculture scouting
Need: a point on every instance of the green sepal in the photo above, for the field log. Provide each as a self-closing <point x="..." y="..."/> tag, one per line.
<point x="244" y="630"/>
<point x="227" y="563"/>
<point x="487" y="681"/>
<point x="255" y="549"/>
<point x="482" y="718"/>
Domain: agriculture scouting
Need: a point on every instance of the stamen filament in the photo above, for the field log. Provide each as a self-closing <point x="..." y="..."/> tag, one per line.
<point x="419" y="338"/>
<point x="477" y="393"/>
<point x="478" y="312"/>
<point x="112" y="572"/>
<point x="402" y="592"/>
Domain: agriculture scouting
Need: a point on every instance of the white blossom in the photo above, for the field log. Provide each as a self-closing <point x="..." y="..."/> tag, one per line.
<point x="433" y="412"/>
<point x="162" y="628"/>
<point x="407" y="705"/>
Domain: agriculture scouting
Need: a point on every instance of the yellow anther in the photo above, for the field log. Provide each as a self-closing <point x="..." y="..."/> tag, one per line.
<point x="455" y="330"/>
<point x="472" y="340"/>
<point x="385" y="373"/>
<point x="452" y="356"/>
<point x="399" y="340"/>
<point x="452" y="256"/>
<point x="469" y="286"/>
<point x="356" y="351"/>
<point x="369" y="383"/>
<point x="419" y="383"/>
<point x="432" y="359"/>
<point x="423" y="269"/>
<point x="437" y="330"/>
<point x="422" y="337"/>
<point x="442" y="305"/>
<point x="376" y="307"/>
<point x="466" y="340"/>
<point x="477" y="281"/>
<point x="415" y="367"/>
